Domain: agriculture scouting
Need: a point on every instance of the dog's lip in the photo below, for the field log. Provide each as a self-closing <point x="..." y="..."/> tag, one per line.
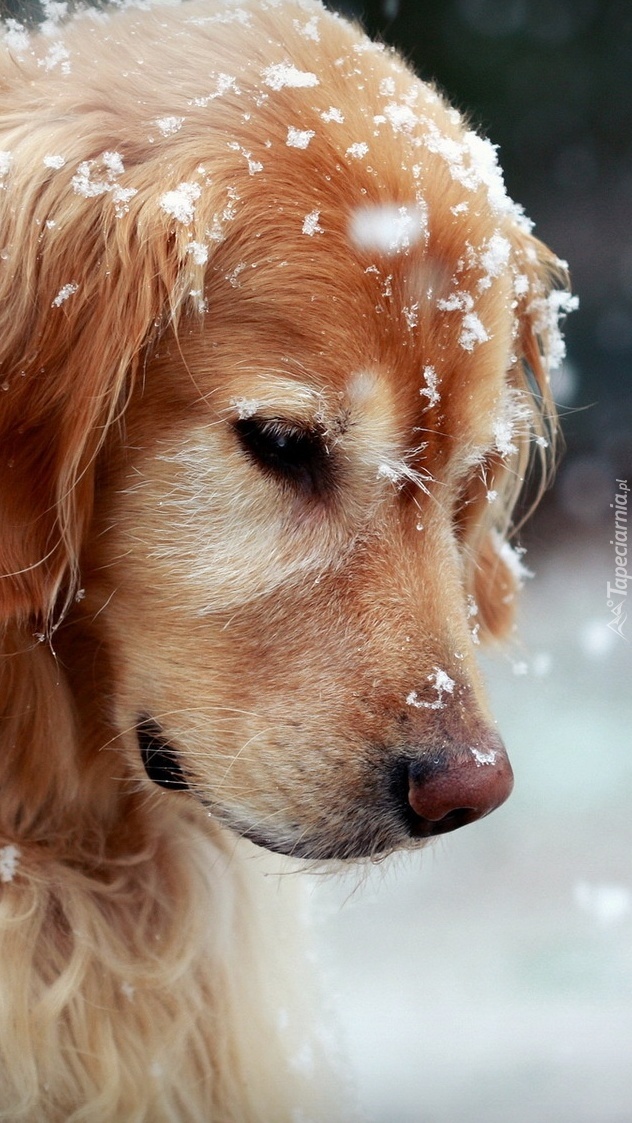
<point x="311" y="849"/>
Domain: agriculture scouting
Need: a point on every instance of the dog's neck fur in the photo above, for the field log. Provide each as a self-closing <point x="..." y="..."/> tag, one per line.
<point x="157" y="916"/>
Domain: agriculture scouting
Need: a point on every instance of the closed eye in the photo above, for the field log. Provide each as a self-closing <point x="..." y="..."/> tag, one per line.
<point x="287" y="451"/>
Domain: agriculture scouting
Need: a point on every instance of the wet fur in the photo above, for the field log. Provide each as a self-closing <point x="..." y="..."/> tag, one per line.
<point x="149" y="566"/>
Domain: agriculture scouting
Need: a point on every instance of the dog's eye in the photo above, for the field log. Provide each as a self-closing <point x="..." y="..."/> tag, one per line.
<point x="287" y="451"/>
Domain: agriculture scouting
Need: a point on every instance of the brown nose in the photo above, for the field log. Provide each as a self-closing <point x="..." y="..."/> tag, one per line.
<point x="456" y="785"/>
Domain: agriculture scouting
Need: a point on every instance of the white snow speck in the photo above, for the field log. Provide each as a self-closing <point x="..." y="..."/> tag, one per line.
<point x="57" y="55"/>
<point x="358" y="150"/>
<point x="16" y="37"/>
<point x="512" y="557"/>
<point x="107" y="168"/>
<point x="180" y="202"/>
<point x="495" y="255"/>
<point x="128" y="990"/>
<point x="246" y="407"/>
<point x="401" y="117"/>
<point x="456" y="302"/>
<point x="199" y="301"/>
<point x="311" y="225"/>
<point x="309" y="30"/>
<point x="223" y="83"/>
<point x="234" y="275"/>
<point x="64" y="293"/>
<point x="388" y="229"/>
<point x="388" y="472"/>
<point x="55" y="11"/>
<point x="547" y="313"/>
<point x="430" y="390"/>
<point x="471" y="612"/>
<point x="9" y="861"/>
<point x="521" y="284"/>
<point x="483" y="758"/>
<point x="121" y="197"/>
<point x="472" y="332"/>
<point x="299" y="138"/>
<point x="169" y="125"/>
<point x="442" y="683"/>
<point x="333" y="114"/>
<point x="199" y="252"/>
<point x="282" y="74"/>
<point x="113" y="162"/>
<point x="254" y="166"/>
<point x="54" y="161"/>
<point x="6" y="160"/>
<point x="503" y="437"/>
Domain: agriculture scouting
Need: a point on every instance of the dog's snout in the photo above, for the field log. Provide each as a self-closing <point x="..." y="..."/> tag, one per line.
<point x="455" y="786"/>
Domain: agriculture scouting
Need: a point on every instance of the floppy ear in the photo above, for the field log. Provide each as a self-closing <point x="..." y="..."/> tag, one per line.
<point x="89" y="270"/>
<point x="542" y="299"/>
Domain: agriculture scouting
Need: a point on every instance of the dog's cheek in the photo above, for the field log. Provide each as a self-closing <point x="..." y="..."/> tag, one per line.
<point x="195" y="531"/>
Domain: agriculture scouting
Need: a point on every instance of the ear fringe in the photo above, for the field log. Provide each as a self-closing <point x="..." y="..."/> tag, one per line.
<point x="495" y="578"/>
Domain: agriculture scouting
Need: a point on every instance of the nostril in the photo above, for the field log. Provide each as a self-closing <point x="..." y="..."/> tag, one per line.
<point x="460" y="817"/>
<point x="445" y="790"/>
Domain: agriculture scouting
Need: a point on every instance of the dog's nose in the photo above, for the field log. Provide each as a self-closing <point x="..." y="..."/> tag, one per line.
<point x="455" y="786"/>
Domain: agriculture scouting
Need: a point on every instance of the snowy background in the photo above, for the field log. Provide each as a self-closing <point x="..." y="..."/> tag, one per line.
<point x="489" y="979"/>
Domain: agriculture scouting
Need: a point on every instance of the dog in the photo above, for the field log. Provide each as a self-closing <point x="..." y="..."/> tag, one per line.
<point x="274" y="360"/>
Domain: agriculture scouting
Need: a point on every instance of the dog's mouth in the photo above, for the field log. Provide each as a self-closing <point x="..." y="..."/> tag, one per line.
<point x="163" y="767"/>
<point x="420" y="797"/>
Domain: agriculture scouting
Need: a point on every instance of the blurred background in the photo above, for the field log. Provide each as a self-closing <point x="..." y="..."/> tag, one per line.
<point x="490" y="979"/>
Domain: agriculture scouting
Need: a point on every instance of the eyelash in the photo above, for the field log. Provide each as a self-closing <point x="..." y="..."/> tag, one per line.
<point x="285" y="451"/>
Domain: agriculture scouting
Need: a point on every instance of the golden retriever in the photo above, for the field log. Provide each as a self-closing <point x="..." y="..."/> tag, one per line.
<point x="274" y="346"/>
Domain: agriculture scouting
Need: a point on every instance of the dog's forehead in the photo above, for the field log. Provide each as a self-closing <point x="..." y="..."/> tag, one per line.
<point x="401" y="340"/>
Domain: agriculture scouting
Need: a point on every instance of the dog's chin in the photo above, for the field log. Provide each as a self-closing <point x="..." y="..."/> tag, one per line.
<point x="313" y="849"/>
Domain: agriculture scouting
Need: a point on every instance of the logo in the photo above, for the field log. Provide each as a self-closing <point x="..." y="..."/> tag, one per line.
<point x="617" y="590"/>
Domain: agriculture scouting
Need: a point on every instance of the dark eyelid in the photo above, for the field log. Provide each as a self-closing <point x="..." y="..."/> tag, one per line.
<point x="290" y="452"/>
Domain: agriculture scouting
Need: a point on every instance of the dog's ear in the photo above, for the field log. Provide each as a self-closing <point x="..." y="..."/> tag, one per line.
<point x="524" y="468"/>
<point x="91" y="266"/>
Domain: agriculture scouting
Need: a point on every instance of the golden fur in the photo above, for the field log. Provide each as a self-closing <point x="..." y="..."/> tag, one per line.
<point x="273" y="350"/>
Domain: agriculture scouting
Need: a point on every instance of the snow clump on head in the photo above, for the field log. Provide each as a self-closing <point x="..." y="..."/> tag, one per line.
<point x="99" y="177"/>
<point x="299" y="138"/>
<point x="282" y="74"/>
<point x="388" y="228"/>
<point x="169" y="125"/>
<point x="180" y="202"/>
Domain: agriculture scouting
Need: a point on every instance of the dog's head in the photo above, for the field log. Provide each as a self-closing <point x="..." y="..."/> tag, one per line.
<point x="274" y="352"/>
